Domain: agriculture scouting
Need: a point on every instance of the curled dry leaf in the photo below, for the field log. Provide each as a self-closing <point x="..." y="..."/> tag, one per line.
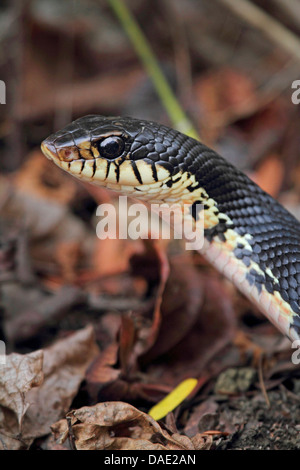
<point x="154" y="266"/>
<point x="18" y="376"/>
<point x="56" y="380"/>
<point x="64" y="367"/>
<point x="120" y="426"/>
<point x="182" y="299"/>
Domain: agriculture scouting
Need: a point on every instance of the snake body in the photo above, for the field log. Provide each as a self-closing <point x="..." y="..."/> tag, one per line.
<point x="248" y="236"/>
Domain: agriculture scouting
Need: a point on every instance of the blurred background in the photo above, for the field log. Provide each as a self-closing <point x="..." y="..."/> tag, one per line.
<point x="61" y="60"/>
<point x="231" y="65"/>
<point x="231" y="70"/>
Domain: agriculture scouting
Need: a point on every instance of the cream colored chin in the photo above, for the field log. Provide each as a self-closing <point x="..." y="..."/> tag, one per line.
<point x="128" y="183"/>
<point x="107" y="172"/>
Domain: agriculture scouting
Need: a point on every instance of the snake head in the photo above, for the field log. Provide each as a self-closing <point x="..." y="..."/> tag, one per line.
<point x="120" y="153"/>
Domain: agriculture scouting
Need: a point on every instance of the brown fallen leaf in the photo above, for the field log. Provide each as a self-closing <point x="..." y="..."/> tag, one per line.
<point x="128" y="337"/>
<point x="182" y="299"/>
<point x="68" y="256"/>
<point x="178" y="327"/>
<point x="202" y="417"/>
<point x="102" y="371"/>
<point x="214" y="329"/>
<point x="40" y="178"/>
<point x="120" y="426"/>
<point x="64" y="368"/>
<point x="18" y="376"/>
<point x="115" y="373"/>
<point x="43" y="385"/>
<point x="154" y="266"/>
<point x="111" y="255"/>
<point x="27" y="211"/>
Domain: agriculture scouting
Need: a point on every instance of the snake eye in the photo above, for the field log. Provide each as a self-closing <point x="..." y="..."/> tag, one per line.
<point x="111" y="147"/>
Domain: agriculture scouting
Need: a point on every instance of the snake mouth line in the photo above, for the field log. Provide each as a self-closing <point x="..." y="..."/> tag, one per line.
<point x="120" y="172"/>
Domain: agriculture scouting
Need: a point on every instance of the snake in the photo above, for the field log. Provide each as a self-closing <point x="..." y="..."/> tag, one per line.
<point x="248" y="236"/>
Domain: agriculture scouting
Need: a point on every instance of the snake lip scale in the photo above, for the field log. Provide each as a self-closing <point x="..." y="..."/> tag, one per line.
<point x="248" y="236"/>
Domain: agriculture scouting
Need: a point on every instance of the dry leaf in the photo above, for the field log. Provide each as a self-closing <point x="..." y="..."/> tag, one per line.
<point x="18" y="376"/>
<point x="182" y="299"/>
<point x="64" y="368"/>
<point x="31" y="209"/>
<point x="120" y="426"/>
<point x="154" y="266"/>
<point x="36" y="409"/>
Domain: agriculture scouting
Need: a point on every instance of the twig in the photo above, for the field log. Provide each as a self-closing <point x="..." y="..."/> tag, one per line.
<point x="261" y="381"/>
<point x="114" y="303"/>
<point x="143" y="49"/>
<point x="290" y="9"/>
<point x="71" y="434"/>
<point x="268" y="25"/>
<point x="182" y="57"/>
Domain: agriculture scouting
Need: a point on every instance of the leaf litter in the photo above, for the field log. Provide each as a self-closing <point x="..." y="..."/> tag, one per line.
<point x="156" y="316"/>
<point x="38" y="388"/>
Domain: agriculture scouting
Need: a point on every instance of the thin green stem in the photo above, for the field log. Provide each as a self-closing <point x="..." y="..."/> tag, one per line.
<point x="144" y="51"/>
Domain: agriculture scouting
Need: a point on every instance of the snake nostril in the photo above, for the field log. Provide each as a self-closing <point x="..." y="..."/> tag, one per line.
<point x="68" y="154"/>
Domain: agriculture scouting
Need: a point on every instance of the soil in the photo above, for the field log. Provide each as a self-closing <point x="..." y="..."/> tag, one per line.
<point x="259" y="427"/>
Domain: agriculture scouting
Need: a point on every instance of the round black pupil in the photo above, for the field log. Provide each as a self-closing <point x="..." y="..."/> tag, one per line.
<point x="111" y="147"/>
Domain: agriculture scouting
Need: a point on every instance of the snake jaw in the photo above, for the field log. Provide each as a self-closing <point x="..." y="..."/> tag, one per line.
<point x="48" y="150"/>
<point x="142" y="179"/>
<point x="122" y="172"/>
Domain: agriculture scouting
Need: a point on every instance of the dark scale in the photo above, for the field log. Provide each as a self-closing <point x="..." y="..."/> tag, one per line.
<point x="251" y="211"/>
<point x="256" y="213"/>
<point x="275" y="233"/>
